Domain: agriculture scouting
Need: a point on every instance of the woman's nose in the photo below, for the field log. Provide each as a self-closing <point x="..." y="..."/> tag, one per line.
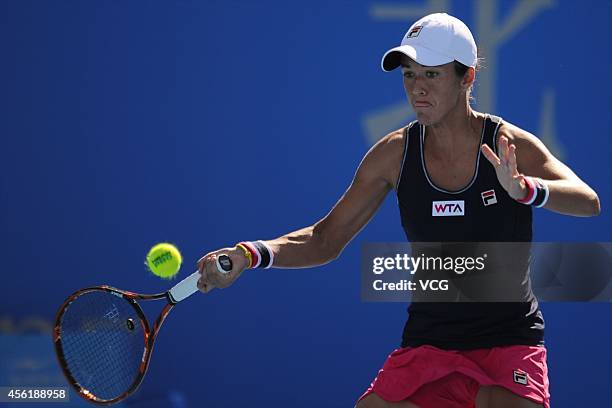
<point x="418" y="89"/>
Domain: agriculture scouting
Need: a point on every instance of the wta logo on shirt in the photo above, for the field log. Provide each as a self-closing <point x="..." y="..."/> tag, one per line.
<point x="448" y="208"/>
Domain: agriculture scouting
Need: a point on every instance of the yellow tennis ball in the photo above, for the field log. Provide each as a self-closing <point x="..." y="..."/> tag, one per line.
<point x="164" y="260"/>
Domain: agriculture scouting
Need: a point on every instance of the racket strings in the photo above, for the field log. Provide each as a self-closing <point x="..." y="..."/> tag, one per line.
<point x="102" y="340"/>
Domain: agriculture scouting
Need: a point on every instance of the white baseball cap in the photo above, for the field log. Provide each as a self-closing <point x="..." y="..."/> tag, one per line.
<point x="436" y="39"/>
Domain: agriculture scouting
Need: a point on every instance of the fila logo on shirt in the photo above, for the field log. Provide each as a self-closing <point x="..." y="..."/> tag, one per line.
<point x="488" y="197"/>
<point x="448" y="208"/>
<point x="520" y="377"/>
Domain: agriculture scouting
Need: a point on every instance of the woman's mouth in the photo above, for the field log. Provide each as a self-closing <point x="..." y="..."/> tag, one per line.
<point x="422" y="104"/>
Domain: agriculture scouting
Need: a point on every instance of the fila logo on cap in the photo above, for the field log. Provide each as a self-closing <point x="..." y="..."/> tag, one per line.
<point x="448" y="208"/>
<point x="520" y="377"/>
<point x="488" y="197"/>
<point x="414" y="32"/>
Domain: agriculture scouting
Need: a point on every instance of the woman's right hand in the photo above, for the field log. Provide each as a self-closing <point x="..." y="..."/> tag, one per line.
<point x="213" y="278"/>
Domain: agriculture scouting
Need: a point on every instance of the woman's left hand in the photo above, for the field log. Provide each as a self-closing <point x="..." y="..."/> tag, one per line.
<point x="506" y="169"/>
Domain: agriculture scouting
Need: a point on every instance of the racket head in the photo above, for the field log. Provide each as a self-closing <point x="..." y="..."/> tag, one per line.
<point x="103" y="342"/>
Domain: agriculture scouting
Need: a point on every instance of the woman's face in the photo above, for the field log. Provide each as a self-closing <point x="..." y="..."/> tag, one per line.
<point x="433" y="92"/>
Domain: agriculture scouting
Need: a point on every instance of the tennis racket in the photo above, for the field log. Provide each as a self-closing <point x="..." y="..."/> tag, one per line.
<point x="104" y="342"/>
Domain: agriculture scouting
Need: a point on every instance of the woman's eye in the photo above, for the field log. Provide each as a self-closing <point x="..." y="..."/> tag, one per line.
<point x="431" y="74"/>
<point x="408" y="74"/>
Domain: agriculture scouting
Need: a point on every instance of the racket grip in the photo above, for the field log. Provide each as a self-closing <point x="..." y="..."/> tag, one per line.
<point x="185" y="288"/>
<point x="189" y="285"/>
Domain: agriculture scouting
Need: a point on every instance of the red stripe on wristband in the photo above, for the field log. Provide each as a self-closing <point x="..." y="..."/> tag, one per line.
<point x="254" y="254"/>
<point x="530" y="194"/>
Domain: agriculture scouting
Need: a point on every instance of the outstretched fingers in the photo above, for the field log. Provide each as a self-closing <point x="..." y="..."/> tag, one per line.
<point x="490" y="155"/>
<point x="512" y="166"/>
<point x="504" y="150"/>
<point x="506" y="159"/>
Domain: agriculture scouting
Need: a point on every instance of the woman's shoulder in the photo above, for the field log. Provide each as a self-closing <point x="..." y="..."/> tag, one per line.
<point x="514" y="133"/>
<point x="393" y="141"/>
<point x="386" y="156"/>
<point x="530" y="150"/>
<point x="521" y="138"/>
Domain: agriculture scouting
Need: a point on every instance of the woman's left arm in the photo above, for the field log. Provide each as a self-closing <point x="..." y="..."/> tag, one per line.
<point x="522" y="154"/>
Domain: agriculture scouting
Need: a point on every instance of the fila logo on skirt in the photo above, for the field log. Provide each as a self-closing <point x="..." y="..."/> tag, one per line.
<point x="520" y="377"/>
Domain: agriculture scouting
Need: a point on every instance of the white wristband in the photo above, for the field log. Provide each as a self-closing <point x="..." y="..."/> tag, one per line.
<point x="271" y="254"/>
<point x="546" y="193"/>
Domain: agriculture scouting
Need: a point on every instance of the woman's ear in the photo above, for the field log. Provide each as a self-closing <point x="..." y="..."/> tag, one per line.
<point x="468" y="78"/>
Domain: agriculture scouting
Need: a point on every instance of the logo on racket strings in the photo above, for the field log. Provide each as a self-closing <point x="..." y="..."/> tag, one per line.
<point x="112" y="314"/>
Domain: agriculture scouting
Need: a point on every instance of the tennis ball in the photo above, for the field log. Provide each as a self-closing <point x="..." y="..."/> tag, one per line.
<point x="164" y="260"/>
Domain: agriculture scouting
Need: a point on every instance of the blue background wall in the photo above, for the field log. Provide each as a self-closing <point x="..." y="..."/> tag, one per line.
<point x="129" y="123"/>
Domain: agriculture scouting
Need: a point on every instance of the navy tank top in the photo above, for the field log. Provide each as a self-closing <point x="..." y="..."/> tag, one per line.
<point x="482" y="211"/>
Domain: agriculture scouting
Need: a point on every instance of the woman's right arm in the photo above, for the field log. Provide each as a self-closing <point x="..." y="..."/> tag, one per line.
<point x="324" y="241"/>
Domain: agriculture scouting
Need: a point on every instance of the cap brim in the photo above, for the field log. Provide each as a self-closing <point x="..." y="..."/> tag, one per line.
<point x="422" y="55"/>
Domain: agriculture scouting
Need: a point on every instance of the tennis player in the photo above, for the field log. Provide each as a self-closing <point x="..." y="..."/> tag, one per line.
<point x="493" y="173"/>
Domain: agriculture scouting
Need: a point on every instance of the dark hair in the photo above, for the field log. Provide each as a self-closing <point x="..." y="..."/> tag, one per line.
<point x="461" y="69"/>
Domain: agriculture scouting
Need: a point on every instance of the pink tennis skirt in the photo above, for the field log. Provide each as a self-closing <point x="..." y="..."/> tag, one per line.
<point x="433" y="378"/>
